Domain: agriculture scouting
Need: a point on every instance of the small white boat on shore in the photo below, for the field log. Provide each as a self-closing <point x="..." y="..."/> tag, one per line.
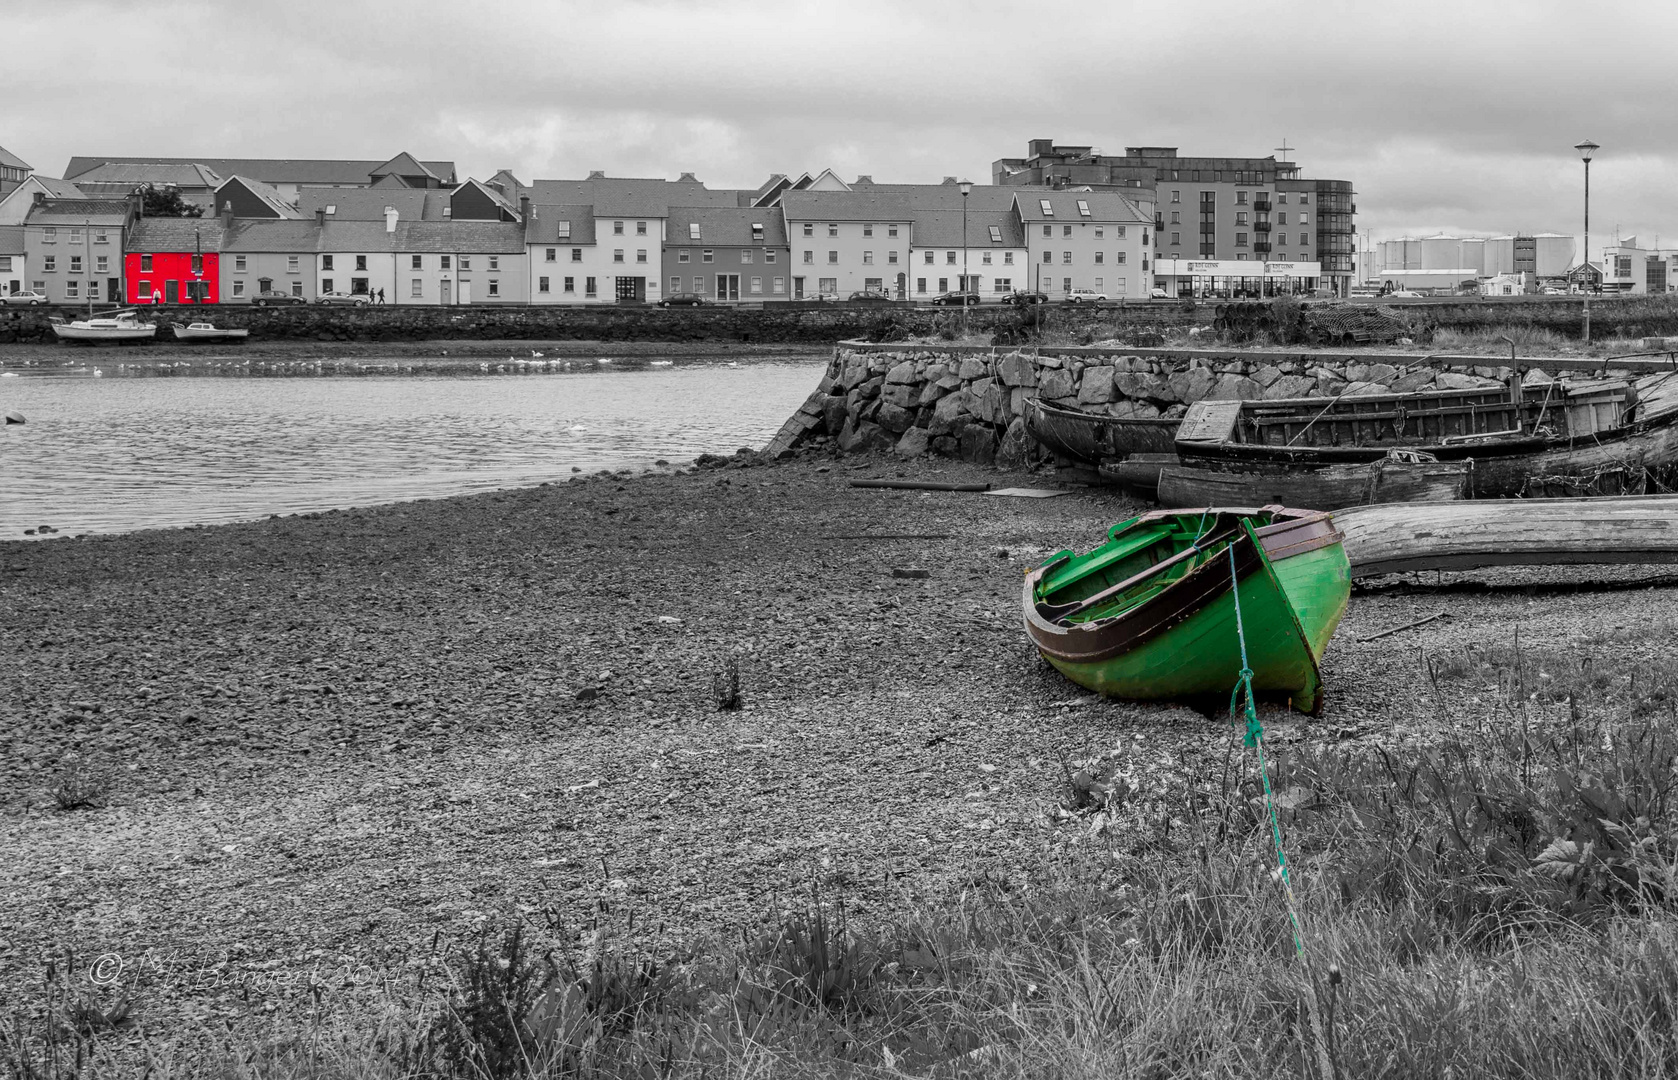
<point x="112" y="326"/>
<point x="205" y="331"/>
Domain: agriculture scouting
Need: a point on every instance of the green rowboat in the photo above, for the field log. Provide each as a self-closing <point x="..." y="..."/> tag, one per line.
<point x="1151" y="614"/>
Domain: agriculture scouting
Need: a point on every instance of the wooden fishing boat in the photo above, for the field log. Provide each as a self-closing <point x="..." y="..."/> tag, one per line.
<point x="1151" y="614"/>
<point x="1544" y="439"/>
<point x="206" y="331"/>
<point x="1097" y="438"/>
<point x="115" y="326"/>
<point x="1400" y="476"/>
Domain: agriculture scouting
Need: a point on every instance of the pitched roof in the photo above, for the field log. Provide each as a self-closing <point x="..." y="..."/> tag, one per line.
<point x="304" y="236"/>
<point x="57" y="189"/>
<point x="175" y="234"/>
<point x="491" y="194"/>
<point x="269" y="170"/>
<point x="268" y="234"/>
<point x="12" y="161"/>
<point x="869" y="205"/>
<point x="11" y="240"/>
<point x="948" y="196"/>
<point x="943" y="228"/>
<point x="268" y="194"/>
<point x="357" y="236"/>
<point x="470" y="237"/>
<point x="546" y="219"/>
<point x="721" y="226"/>
<point x="1104" y="206"/>
<point x="390" y="180"/>
<point x="368" y="204"/>
<point x="402" y="164"/>
<point x="127" y="175"/>
<point x="74" y="212"/>
<point x="628" y="196"/>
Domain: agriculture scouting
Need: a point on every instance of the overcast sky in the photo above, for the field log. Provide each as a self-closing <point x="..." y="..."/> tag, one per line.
<point x="1458" y="116"/>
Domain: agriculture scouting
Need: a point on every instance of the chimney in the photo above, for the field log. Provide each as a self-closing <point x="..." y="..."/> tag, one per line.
<point x="390" y="219"/>
<point x="227" y="214"/>
<point x="688" y="178"/>
<point x="320" y="216"/>
<point x="864" y="178"/>
<point x="950" y="180"/>
<point x="597" y="174"/>
<point x="524" y="208"/>
<point x="40" y="198"/>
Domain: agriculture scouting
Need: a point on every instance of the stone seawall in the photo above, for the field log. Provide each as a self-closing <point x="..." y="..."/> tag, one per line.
<point x="969" y="403"/>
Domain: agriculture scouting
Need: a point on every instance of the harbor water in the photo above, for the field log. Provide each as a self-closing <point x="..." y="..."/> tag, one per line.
<point x="100" y="454"/>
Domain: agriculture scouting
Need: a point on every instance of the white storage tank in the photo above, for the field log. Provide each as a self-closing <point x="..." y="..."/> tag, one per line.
<point x="1441" y="252"/>
<point x="1474" y="254"/>
<point x="1499" y="255"/>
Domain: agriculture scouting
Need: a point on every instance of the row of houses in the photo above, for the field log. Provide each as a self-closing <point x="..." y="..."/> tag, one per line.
<point x="411" y="234"/>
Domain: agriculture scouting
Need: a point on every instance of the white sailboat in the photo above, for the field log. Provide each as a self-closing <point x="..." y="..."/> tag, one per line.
<point x="122" y="325"/>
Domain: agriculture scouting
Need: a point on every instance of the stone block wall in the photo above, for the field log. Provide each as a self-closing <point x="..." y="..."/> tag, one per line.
<point x="969" y="403"/>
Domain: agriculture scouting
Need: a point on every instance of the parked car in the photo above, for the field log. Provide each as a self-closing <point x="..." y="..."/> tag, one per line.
<point x="1085" y="296"/>
<point x="821" y="298"/>
<point x="24" y="297"/>
<point x="1160" y="294"/>
<point x="1405" y="294"/>
<point x="274" y="297"/>
<point x="868" y="296"/>
<point x="956" y="299"/>
<point x="343" y="298"/>
<point x="1023" y="297"/>
<point x="683" y="299"/>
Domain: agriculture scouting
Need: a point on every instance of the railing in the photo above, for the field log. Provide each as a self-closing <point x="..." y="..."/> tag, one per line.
<point x="1261" y="226"/>
<point x="1261" y="205"/>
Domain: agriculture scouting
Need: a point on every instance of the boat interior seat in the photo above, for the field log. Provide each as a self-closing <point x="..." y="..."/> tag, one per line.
<point x="1095" y="572"/>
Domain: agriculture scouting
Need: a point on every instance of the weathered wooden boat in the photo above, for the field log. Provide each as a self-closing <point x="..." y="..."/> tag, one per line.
<point x="113" y="326"/>
<point x="206" y="331"/>
<point x="1096" y="438"/>
<point x="1401" y="476"/>
<point x="1151" y="614"/>
<point x="1543" y="439"/>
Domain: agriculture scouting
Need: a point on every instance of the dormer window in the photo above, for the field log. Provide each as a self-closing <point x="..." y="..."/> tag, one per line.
<point x="693" y="230"/>
<point x="1048" y="211"/>
<point x="1083" y="208"/>
<point x="996" y="234"/>
<point x="757" y="233"/>
<point x="564" y="231"/>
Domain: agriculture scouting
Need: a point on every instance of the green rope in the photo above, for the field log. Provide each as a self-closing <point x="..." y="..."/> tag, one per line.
<point x="1255" y="739"/>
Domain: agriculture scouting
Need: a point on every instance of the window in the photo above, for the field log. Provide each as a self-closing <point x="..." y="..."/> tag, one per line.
<point x="874" y="284"/>
<point x="5" y="264"/>
<point x="809" y="230"/>
<point x="443" y="262"/>
<point x="1177" y="196"/>
<point x="809" y="256"/>
<point x="833" y="256"/>
<point x="617" y="256"/>
<point x="71" y="288"/>
<point x="640" y="228"/>
<point x="197" y="264"/>
<point x="1083" y="208"/>
<point x="75" y="236"/>
<point x="1002" y="284"/>
<point x="588" y="287"/>
<point x="707" y="256"/>
<point x="985" y="258"/>
<point x="38" y="285"/>
<point x="297" y="288"/>
<point x="494" y="287"/>
<point x="75" y="264"/>
<point x="1241" y="217"/>
<point x="829" y="284"/>
<point x="416" y="288"/>
<point x="1176" y="218"/>
<point x="1121" y="235"/>
<point x="698" y="284"/>
<point x="551" y="253"/>
<point x="417" y="262"/>
<point x="1120" y="258"/>
<point x="1305" y="198"/>
<point x="1066" y="257"/>
<point x="683" y="256"/>
<point x="1281" y="198"/>
<point x="1066" y="230"/>
<point x="1048" y="210"/>
<point x="996" y="234"/>
<point x="891" y="257"/>
<point x="779" y="285"/>
<point x="325" y="285"/>
<point x="326" y="262"/>
<point x="49" y="263"/>
<point x="949" y="258"/>
<point x="891" y="230"/>
<point x="832" y="230"/>
<point x="868" y="230"/>
<point x="1048" y="256"/>
<point x="1176" y="238"/>
<point x="101" y="237"/>
<point x="757" y="286"/>
<point x="943" y="284"/>
<point x="541" y="285"/>
<point x="617" y="228"/>
<point x="640" y="256"/>
<point x="1100" y="257"/>
<point x="238" y="262"/>
<point x="466" y="262"/>
<point x="1240" y="239"/>
<point x="745" y="256"/>
<point x="867" y="257"/>
<point x="1007" y="258"/>
<point x="291" y="266"/>
<point x="920" y="284"/>
<point x="1118" y="286"/>
<point x="1098" y="283"/>
<point x="757" y="233"/>
<point x="1100" y="232"/>
<point x="768" y="255"/>
<point x="564" y="231"/>
<point x="361" y="262"/>
<point x="576" y="256"/>
<point x="495" y="262"/>
<point x="49" y="236"/>
<point x="1304" y="238"/>
<point x="570" y="284"/>
<point x="1304" y="218"/>
<point x="693" y="230"/>
<point x="238" y="288"/>
<point x="1281" y="219"/>
<point x="1065" y="284"/>
<point x="1240" y="198"/>
<point x="927" y="258"/>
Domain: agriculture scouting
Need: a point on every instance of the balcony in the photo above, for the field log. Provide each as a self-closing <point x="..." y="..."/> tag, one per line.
<point x="1261" y="247"/>
<point x="1261" y="226"/>
<point x="1261" y="205"/>
<point x="1159" y="222"/>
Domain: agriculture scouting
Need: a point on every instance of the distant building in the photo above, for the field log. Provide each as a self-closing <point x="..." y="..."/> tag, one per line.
<point x="722" y="253"/>
<point x="16" y="206"/>
<point x="14" y="259"/>
<point x="174" y="259"/>
<point x="1209" y="208"/>
<point x="1544" y="255"/>
<point x="286" y="176"/>
<point x="13" y="171"/>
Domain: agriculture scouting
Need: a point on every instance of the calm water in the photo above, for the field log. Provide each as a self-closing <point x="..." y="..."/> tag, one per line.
<point x="115" y="454"/>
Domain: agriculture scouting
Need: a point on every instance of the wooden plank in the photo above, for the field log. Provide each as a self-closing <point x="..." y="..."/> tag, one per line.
<point x="1392" y="537"/>
<point x="1210" y="421"/>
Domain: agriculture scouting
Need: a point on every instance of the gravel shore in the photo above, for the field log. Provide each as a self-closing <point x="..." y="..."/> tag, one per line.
<point x="338" y="736"/>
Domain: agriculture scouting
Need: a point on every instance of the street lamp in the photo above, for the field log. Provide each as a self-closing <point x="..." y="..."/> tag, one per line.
<point x="1586" y="149"/>
<point x="966" y="190"/>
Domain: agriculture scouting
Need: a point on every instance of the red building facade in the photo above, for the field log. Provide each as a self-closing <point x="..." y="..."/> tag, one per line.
<point x="183" y="277"/>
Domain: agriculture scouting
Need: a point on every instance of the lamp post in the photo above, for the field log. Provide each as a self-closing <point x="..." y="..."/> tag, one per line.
<point x="966" y="190"/>
<point x="1586" y="149"/>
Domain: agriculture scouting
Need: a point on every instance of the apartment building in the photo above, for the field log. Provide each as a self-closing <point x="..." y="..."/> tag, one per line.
<point x="1095" y="240"/>
<point x="728" y="254"/>
<point x="847" y="241"/>
<point x="74" y="247"/>
<point x="1210" y="208"/>
<point x="981" y="251"/>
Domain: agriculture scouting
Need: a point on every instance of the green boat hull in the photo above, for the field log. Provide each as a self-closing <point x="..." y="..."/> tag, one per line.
<point x="1174" y="635"/>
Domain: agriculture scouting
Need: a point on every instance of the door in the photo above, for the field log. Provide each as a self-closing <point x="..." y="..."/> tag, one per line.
<point x="113" y="290"/>
<point x="466" y="292"/>
<point x="631" y="290"/>
<point x="728" y="286"/>
<point x="171" y="291"/>
<point x="798" y="287"/>
<point x="902" y="286"/>
<point x="447" y="294"/>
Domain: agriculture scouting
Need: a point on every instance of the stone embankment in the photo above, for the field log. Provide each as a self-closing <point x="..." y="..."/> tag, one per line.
<point x="970" y="403"/>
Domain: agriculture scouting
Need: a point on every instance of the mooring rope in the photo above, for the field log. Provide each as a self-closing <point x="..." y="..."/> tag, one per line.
<point x="1255" y="740"/>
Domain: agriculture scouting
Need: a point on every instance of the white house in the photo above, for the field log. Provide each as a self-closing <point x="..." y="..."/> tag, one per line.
<point x="14" y="208"/>
<point x="983" y="252"/>
<point x="14" y="260"/>
<point x="847" y="241"/>
<point x="1086" y="240"/>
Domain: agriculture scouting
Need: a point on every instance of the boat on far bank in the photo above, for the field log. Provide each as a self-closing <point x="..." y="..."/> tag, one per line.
<point x="117" y="326"/>
<point x="1096" y="438"/>
<point x="207" y="331"/>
